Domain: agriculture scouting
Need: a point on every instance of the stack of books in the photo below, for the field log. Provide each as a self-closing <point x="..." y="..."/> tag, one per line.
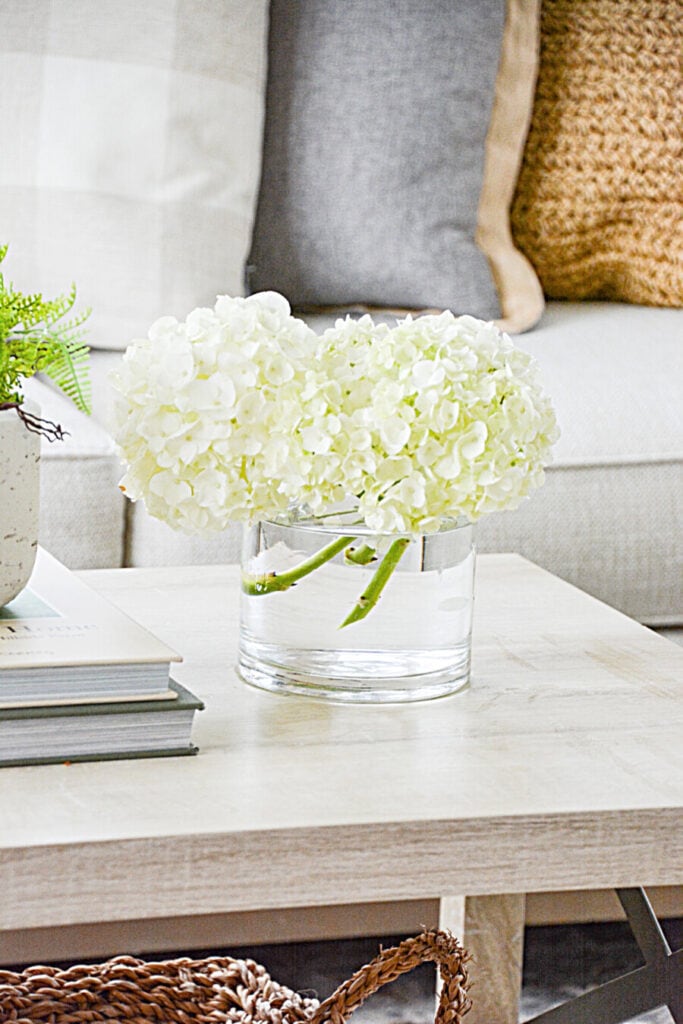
<point x="80" y="681"/>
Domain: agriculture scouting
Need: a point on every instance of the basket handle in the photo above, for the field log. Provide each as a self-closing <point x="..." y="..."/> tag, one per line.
<point x="439" y="946"/>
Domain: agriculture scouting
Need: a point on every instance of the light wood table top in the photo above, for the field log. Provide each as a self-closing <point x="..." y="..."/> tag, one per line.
<point x="560" y="768"/>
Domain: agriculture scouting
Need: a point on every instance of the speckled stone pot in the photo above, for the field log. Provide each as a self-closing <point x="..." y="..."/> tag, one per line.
<point x="19" y="502"/>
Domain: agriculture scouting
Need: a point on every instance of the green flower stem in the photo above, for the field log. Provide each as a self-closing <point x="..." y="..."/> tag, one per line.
<point x="272" y="582"/>
<point x="370" y="596"/>
<point x="362" y="555"/>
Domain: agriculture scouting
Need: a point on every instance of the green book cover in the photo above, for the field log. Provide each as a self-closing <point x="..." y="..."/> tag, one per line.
<point x="121" y="755"/>
<point x="93" y="732"/>
<point x="184" y="701"/>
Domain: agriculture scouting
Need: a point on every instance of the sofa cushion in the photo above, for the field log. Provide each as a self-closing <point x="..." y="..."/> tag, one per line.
<point x="82" y="511"/>
<point x="151" y="542"/>
<point x="615" y="375"/>
<point x="598" y="207"/>
<point x="609" y="516"/>
<point x="612" y="530"/>
<point x="135" y="155"/>
<point x="376" y="122"/>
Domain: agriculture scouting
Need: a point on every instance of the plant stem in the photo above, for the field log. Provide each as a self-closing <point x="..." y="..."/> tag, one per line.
<point x="272" y="582"/>
<point x="341" y="512"/>
<point x="361" y="555"/>
<point x="37" y="425"/>
<point x="370" y="596"/>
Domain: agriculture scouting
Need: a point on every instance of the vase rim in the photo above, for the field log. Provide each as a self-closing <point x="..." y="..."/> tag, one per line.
<point x="324" y="525"/>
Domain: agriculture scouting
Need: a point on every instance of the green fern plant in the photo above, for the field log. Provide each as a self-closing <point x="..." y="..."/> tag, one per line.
<point x="37" y="335"/>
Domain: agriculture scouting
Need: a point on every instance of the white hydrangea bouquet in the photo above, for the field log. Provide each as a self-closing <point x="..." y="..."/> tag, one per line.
<point x="242" y="412"/>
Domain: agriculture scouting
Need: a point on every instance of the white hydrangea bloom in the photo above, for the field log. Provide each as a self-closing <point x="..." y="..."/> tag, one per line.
<point x="208" y="412"/>
<point x="452" y="418"/>
<point x="242" y="411"/>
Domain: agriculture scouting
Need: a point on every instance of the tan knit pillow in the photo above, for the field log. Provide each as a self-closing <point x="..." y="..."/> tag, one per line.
<point x="599" y="202"/>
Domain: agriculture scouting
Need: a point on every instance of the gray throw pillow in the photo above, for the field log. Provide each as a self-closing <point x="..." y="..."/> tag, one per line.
<point x="376" y="122"/>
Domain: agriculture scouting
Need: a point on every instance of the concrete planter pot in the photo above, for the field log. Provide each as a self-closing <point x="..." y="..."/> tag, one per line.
<point x="19" y="501"/>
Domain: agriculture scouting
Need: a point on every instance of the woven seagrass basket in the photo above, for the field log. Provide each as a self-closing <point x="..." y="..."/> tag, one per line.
<point x="217" y="989"/>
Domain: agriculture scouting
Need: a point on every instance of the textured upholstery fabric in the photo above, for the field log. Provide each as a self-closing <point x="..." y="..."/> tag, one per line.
<point x="599" y="202"/>
<point x="82" y="511"/>
<point x="151" y="542"/>
<point x="615" y="374"/>
<point x="614" y="531"/>
<point x="609" y="517"/>
<point x="376" y="119"/>
<point x="134" y="161"/>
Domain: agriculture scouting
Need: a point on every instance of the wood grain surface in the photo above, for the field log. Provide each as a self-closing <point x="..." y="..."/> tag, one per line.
<point x="560" y="768"/>
<point x="235" y="929"/>
<point x="488" y="925"/>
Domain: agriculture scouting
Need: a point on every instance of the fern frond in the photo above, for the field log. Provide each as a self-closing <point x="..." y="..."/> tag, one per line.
<point x="68" y="369"/>
<point x="35" y="335"/>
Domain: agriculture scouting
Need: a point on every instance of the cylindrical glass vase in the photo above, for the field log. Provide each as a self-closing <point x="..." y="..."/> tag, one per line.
<point x="378" y="619"/>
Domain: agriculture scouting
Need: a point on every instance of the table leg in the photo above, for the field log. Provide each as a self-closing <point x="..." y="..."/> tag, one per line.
<point x="491" y="928"/>
<point x="655" y="985"/>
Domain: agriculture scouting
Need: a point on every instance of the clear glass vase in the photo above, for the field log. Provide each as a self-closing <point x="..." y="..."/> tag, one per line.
<point x="327" y="632"/>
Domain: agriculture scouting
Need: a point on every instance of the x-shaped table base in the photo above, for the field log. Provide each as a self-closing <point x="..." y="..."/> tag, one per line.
<point x="658" y="983"/>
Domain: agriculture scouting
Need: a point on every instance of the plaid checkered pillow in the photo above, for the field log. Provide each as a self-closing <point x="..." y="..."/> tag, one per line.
<point x="130" y="153"/>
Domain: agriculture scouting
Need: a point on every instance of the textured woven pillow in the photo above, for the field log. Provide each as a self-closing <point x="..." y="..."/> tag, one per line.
<point x="131" y="152"/>
<point x="376" y="123"/>
<point x="599" y="203"/>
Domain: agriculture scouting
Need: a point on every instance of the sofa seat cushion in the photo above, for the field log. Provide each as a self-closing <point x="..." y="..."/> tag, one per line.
<point x="82" y="511"/>
<point x="615" y="375"/>
<point x="609" y="516"/>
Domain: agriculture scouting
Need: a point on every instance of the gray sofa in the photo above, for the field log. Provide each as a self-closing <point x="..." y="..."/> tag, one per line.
<point x="609" y="517"/>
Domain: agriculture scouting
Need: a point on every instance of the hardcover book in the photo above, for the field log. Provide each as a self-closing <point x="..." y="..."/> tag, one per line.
<point x="100" y="731"/>
<point x="61" y="641"/>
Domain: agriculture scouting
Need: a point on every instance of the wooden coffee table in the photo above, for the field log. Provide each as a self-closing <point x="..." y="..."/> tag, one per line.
<point x="558" y="769"/>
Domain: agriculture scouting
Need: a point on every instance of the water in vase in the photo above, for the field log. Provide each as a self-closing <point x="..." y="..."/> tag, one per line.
<point x="412" y="645"/>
